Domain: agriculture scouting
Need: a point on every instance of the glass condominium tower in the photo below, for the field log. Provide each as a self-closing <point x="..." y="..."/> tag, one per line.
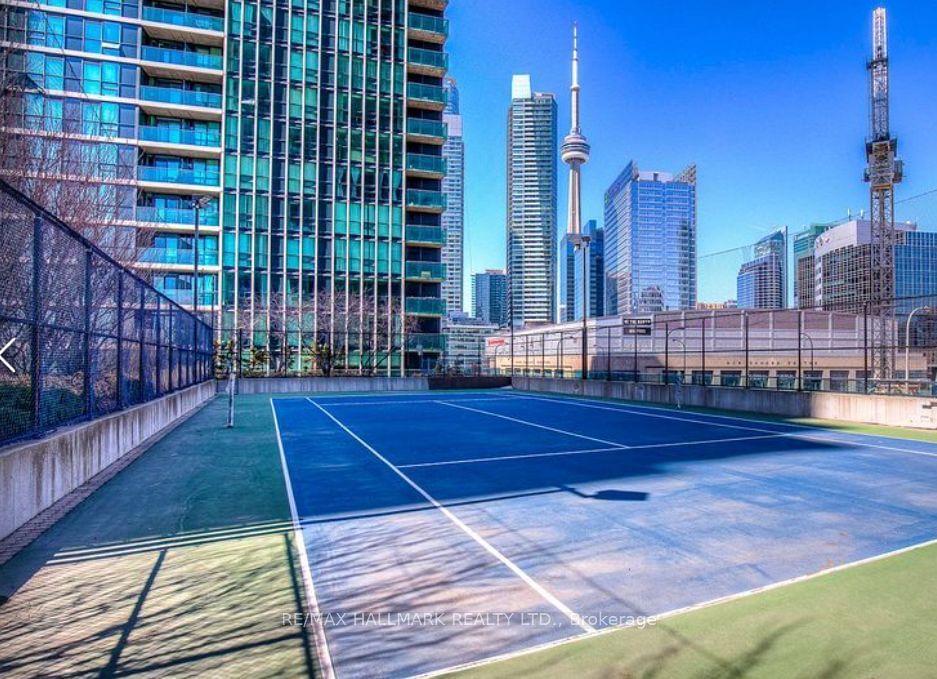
<point x="531" y="209"/>
<point x="453" y="186"/>
<point x="650" y="241"/>
<point x="310" y="132"/>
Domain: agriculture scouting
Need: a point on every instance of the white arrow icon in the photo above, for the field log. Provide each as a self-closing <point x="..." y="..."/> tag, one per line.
<point x="3" y="360"/>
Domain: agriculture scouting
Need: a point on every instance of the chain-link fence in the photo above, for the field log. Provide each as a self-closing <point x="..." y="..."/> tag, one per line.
<point x="81" y="336"/>
<point x="790" y="349"/>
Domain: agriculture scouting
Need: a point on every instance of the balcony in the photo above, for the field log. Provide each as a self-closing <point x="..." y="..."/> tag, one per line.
<point x="177" y="175"/>
<point x="172" y="95"/>
<point x="184" y="19"/>
<point x="426" y="96"/>
<point x="426" y="201"/>
<point x="418" y="234"/>
<point x="425" y="306"/>
<point x="438" y="5"/>
<point x="428" y="28"/>
<point x="164" y="55"/>
<point x="424" y="341"/>
<point x="175" y="215"/>
<point x="186" y="297"/>
<point x="426" y="271"/>
<point x="426" y="131"/>
<point x="421" y="165"/>
<point x="174" y="135"/>
<point x="175" y="256"/>
<point x="427" y="62"/>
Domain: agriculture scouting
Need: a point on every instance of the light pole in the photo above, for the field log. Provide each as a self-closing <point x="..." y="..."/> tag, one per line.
<point x="667" y="331"/>
<point x="812" y="366"/>
<point x="907" y="345"/>
<point x="581" y="242"/>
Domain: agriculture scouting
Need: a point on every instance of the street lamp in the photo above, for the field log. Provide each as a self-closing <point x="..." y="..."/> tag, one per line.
<point x="907" y="345"/>
<point x="667" y="331"/>
<point x="812" y="367"/>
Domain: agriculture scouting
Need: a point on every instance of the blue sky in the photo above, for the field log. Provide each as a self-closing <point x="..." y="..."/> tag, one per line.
<point x="769" y="99"/>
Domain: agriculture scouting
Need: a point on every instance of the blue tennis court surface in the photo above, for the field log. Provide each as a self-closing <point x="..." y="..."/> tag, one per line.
<point x="442" y="529"/>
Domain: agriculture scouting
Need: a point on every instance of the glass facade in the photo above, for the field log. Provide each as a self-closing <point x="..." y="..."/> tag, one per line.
<point x="762" y="281"/>
<point x="453" y="219"/>
<point x="310" y="133"/>
<point x="531" y="191"/>
<point x="650" y="242"/>
<point x="596" y="273"/>
<point x="489" y="297"/>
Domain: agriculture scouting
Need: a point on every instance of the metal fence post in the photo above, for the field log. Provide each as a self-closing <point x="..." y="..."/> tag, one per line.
<point x="36" y="363"/>
<point x="89" y="397"/>
<point x="608" y="354"/>
<point x="703" y="352"/>
<point x="865" y="348"/>
<point x="159" y="338"/>
<point x="800" y="344"/>
<point x="142" y="336"/>
<point x="745" y="323"/>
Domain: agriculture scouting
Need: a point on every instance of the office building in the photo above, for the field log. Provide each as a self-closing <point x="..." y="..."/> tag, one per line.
<point x="453" y="219"/>
<point x="490" y="296"/>
<point x="596" y="273"/>
<point x="465" y="343"/>
<point x="566" y="308"/>
<point x="803" y="244"/>
<point x="309" y="134"/>
<point x="650" y="241"/>
<point x="531" y="209"/>
<point x="762" y="281"/>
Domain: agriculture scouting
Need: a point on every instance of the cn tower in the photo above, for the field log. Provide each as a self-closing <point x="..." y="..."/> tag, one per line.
<point x="575" y="148"/>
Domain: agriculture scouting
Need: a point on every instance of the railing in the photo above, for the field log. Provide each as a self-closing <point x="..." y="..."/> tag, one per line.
<point x="173" y="135"/>
<point x="429" y="199"/>
<point x="428" y="24"/>
<point x="178" y="18"/>
<point x="424" y="57"/>
<point x="166" y="55"/>
<point x="177" y="256"/>
<point x="175" y="175"/>
<point x="425" y="163"/>
<point x="426" y="234"/>
<point x="172" y="95"/>
<point x="426" y="271"/>
<point x="87" y="335"/>
<point x="425" y="306"/>
<point x="427" y="342"/>
<point x="423" y="92"/>
<point x="175" y="215"/>
<point x="426" y="128"/>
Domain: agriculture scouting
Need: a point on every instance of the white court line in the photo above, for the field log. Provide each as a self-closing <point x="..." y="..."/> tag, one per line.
<point x="534" y="424"/>
<point x="674" y="612"/>
<point x="498" y="458"/>
<point x="672" y="444"/>
<point x="627" y="408"/>
<point x="488" y="547"/>
<point x="322" y="644"/>
<point x="408" y="401"/>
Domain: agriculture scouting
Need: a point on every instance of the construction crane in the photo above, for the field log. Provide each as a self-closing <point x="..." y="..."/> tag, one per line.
<point x="883" y="172"/>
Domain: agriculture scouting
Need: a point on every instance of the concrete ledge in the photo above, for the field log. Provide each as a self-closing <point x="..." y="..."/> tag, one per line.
<point x="294" y="385"/>
<point x="468" y="382"/>
<point x="35" y="474"/>
<point x="892" y="411"/>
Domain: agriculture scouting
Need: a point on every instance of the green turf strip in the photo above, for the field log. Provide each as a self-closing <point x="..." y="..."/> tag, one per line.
<point x="872" y="620"/>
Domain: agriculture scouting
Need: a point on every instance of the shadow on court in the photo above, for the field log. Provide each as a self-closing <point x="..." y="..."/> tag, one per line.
<point x="181" y="565"/>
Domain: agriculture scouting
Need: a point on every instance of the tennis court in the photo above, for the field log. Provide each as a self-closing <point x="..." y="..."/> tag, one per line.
<point x="441" y="529"/>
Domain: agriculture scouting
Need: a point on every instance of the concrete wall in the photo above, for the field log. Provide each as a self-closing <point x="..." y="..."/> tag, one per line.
<point x="896" y="411"/>
<point x="35" y="474"/>
<point x="292" y="385"/>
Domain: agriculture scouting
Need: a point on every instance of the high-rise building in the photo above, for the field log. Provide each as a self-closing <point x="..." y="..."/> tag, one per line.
<point x="310" y="134"/>
<point x="803" y="269"/>
<point x="531" y="208"/>
<point x="762" y="281"/>
<point x="843" y="255"/>
<point x="650" y="241"/>
<point x="465" y="342"/>
<point x="490" y="296"/>
<point x="453" y="219"/>
<point x="596" y="273"/>
<point x="566" y="309"/>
